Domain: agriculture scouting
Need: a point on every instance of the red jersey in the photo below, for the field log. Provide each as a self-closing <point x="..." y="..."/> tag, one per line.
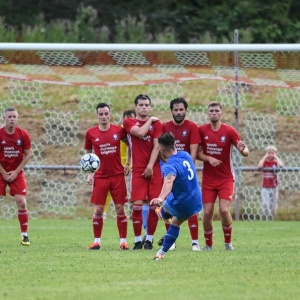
<point x="185" y="134"/>
<point x="12" y="148"/>
<point x="141" y="148"/>
<point x="106" y="145"/>
<point x="270" y="179"/>
<point x="218" y="144"/>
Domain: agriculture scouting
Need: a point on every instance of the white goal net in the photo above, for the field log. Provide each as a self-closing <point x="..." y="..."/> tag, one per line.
<point x="57" y="87"/>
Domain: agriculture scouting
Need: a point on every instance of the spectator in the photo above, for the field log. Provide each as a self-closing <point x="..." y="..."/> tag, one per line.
<point x="269" y="190"/>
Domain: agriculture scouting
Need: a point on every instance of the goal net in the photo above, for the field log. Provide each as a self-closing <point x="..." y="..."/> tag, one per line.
<point x="56" y="87"/>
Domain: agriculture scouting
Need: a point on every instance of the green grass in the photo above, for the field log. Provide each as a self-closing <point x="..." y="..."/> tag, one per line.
<point x="264" y="265"/>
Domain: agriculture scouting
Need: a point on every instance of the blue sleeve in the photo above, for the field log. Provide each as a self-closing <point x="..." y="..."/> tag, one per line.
<point x="168" y="169"/>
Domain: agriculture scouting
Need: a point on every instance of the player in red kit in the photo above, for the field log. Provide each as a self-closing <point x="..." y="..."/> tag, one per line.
<point x="215" y="150"/>
<point x="105" y="140"/>
<point x="143" y="133"/>
<point x="187" y="138"/>
<point x="15" y="152"/>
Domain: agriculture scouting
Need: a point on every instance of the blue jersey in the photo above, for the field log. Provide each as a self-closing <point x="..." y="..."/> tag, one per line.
<point x="186" y="197"/>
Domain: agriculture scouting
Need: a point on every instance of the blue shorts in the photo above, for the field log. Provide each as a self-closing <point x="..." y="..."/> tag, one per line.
<point x="179" y="213"/>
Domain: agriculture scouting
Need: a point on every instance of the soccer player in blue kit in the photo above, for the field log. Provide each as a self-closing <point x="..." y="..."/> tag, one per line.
<point x="180" y="178"/>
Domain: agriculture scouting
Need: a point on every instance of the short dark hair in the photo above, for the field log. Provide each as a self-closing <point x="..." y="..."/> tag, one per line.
<point x="9" y="109"/>
<point x="178" y="101"/>
<point x="128" y="113"/>
<point x="215" y="104"/>
<point x="141" y="97"/>
<point x="102" y="105"/>
<point x="167" y="140"/>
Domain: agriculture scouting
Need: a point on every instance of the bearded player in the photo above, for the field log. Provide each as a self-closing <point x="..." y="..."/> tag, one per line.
<point x="187" y="139"/>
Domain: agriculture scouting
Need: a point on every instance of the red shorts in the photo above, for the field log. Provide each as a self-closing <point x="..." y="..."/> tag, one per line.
<point x="146" y="189"/>
<point x="223" y="191"/>
<point x="115" y="184"/>
<point x="17" y="187"/>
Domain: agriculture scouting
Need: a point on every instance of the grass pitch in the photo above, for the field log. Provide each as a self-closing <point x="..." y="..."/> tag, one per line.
<point x="264" y="265"/>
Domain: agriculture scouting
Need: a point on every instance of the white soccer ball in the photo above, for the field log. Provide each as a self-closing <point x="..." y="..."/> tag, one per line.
<point x="90" y="163"/>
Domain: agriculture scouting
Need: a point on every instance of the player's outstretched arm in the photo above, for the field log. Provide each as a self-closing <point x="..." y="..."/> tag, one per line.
<point x="165" y="191"/>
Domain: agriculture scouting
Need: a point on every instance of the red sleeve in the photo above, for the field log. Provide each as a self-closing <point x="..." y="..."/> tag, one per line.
<point x="123" y="133"/>
<point x="158" y="129"/>
<point x="195" y="134"/>
<point x="88" y="144"/>
<point x="27" y="141"/>
<point x="235" y="137"/>
<point x="199" y="132"/>
<point x="128" y="123"/>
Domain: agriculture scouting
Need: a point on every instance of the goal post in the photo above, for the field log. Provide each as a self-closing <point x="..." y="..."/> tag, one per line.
<point x="56" y="88"/>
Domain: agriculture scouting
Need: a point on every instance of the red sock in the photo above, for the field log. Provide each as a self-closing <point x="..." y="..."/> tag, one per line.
<point x="167" y="225"/>
<point x="227" y="230"/>
<point x="97" y="225"/>
<point x="193" y="223"/>
<point x="208" y="236"/>
<point x="152" y="220"/>
<point x="23" y="219"/>
<point x="137" y="220"/>
<point x="122" y="226"/>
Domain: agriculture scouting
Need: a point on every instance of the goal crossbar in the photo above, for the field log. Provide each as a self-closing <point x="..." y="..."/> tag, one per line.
<point x="148" y="47"/>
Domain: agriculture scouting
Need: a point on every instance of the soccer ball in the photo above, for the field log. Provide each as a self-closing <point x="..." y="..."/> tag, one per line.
<point x="90" y="163"/>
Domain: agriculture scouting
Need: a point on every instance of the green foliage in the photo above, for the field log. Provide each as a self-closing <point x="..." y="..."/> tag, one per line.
<point x="131" y="30"/>
<point x="246" y="36"/>
<point x="166" y="37"/>
<point x="134" y="30"/>
<point x="84" y="27"/>
<point x="264" y="264"/>
<point x="36" y="33"/>
<point x="7" y="33"/>
<point x="84" y="30"/>
<point x="103" y="34"/>
<point x="159" y="21"/>
<point x="56" y="32"/>
<point x="17" y="13"/>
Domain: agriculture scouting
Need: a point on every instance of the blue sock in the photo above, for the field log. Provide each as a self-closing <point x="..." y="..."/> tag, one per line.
<point x="145" y="213"/>
<point x="170" y="237"/>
